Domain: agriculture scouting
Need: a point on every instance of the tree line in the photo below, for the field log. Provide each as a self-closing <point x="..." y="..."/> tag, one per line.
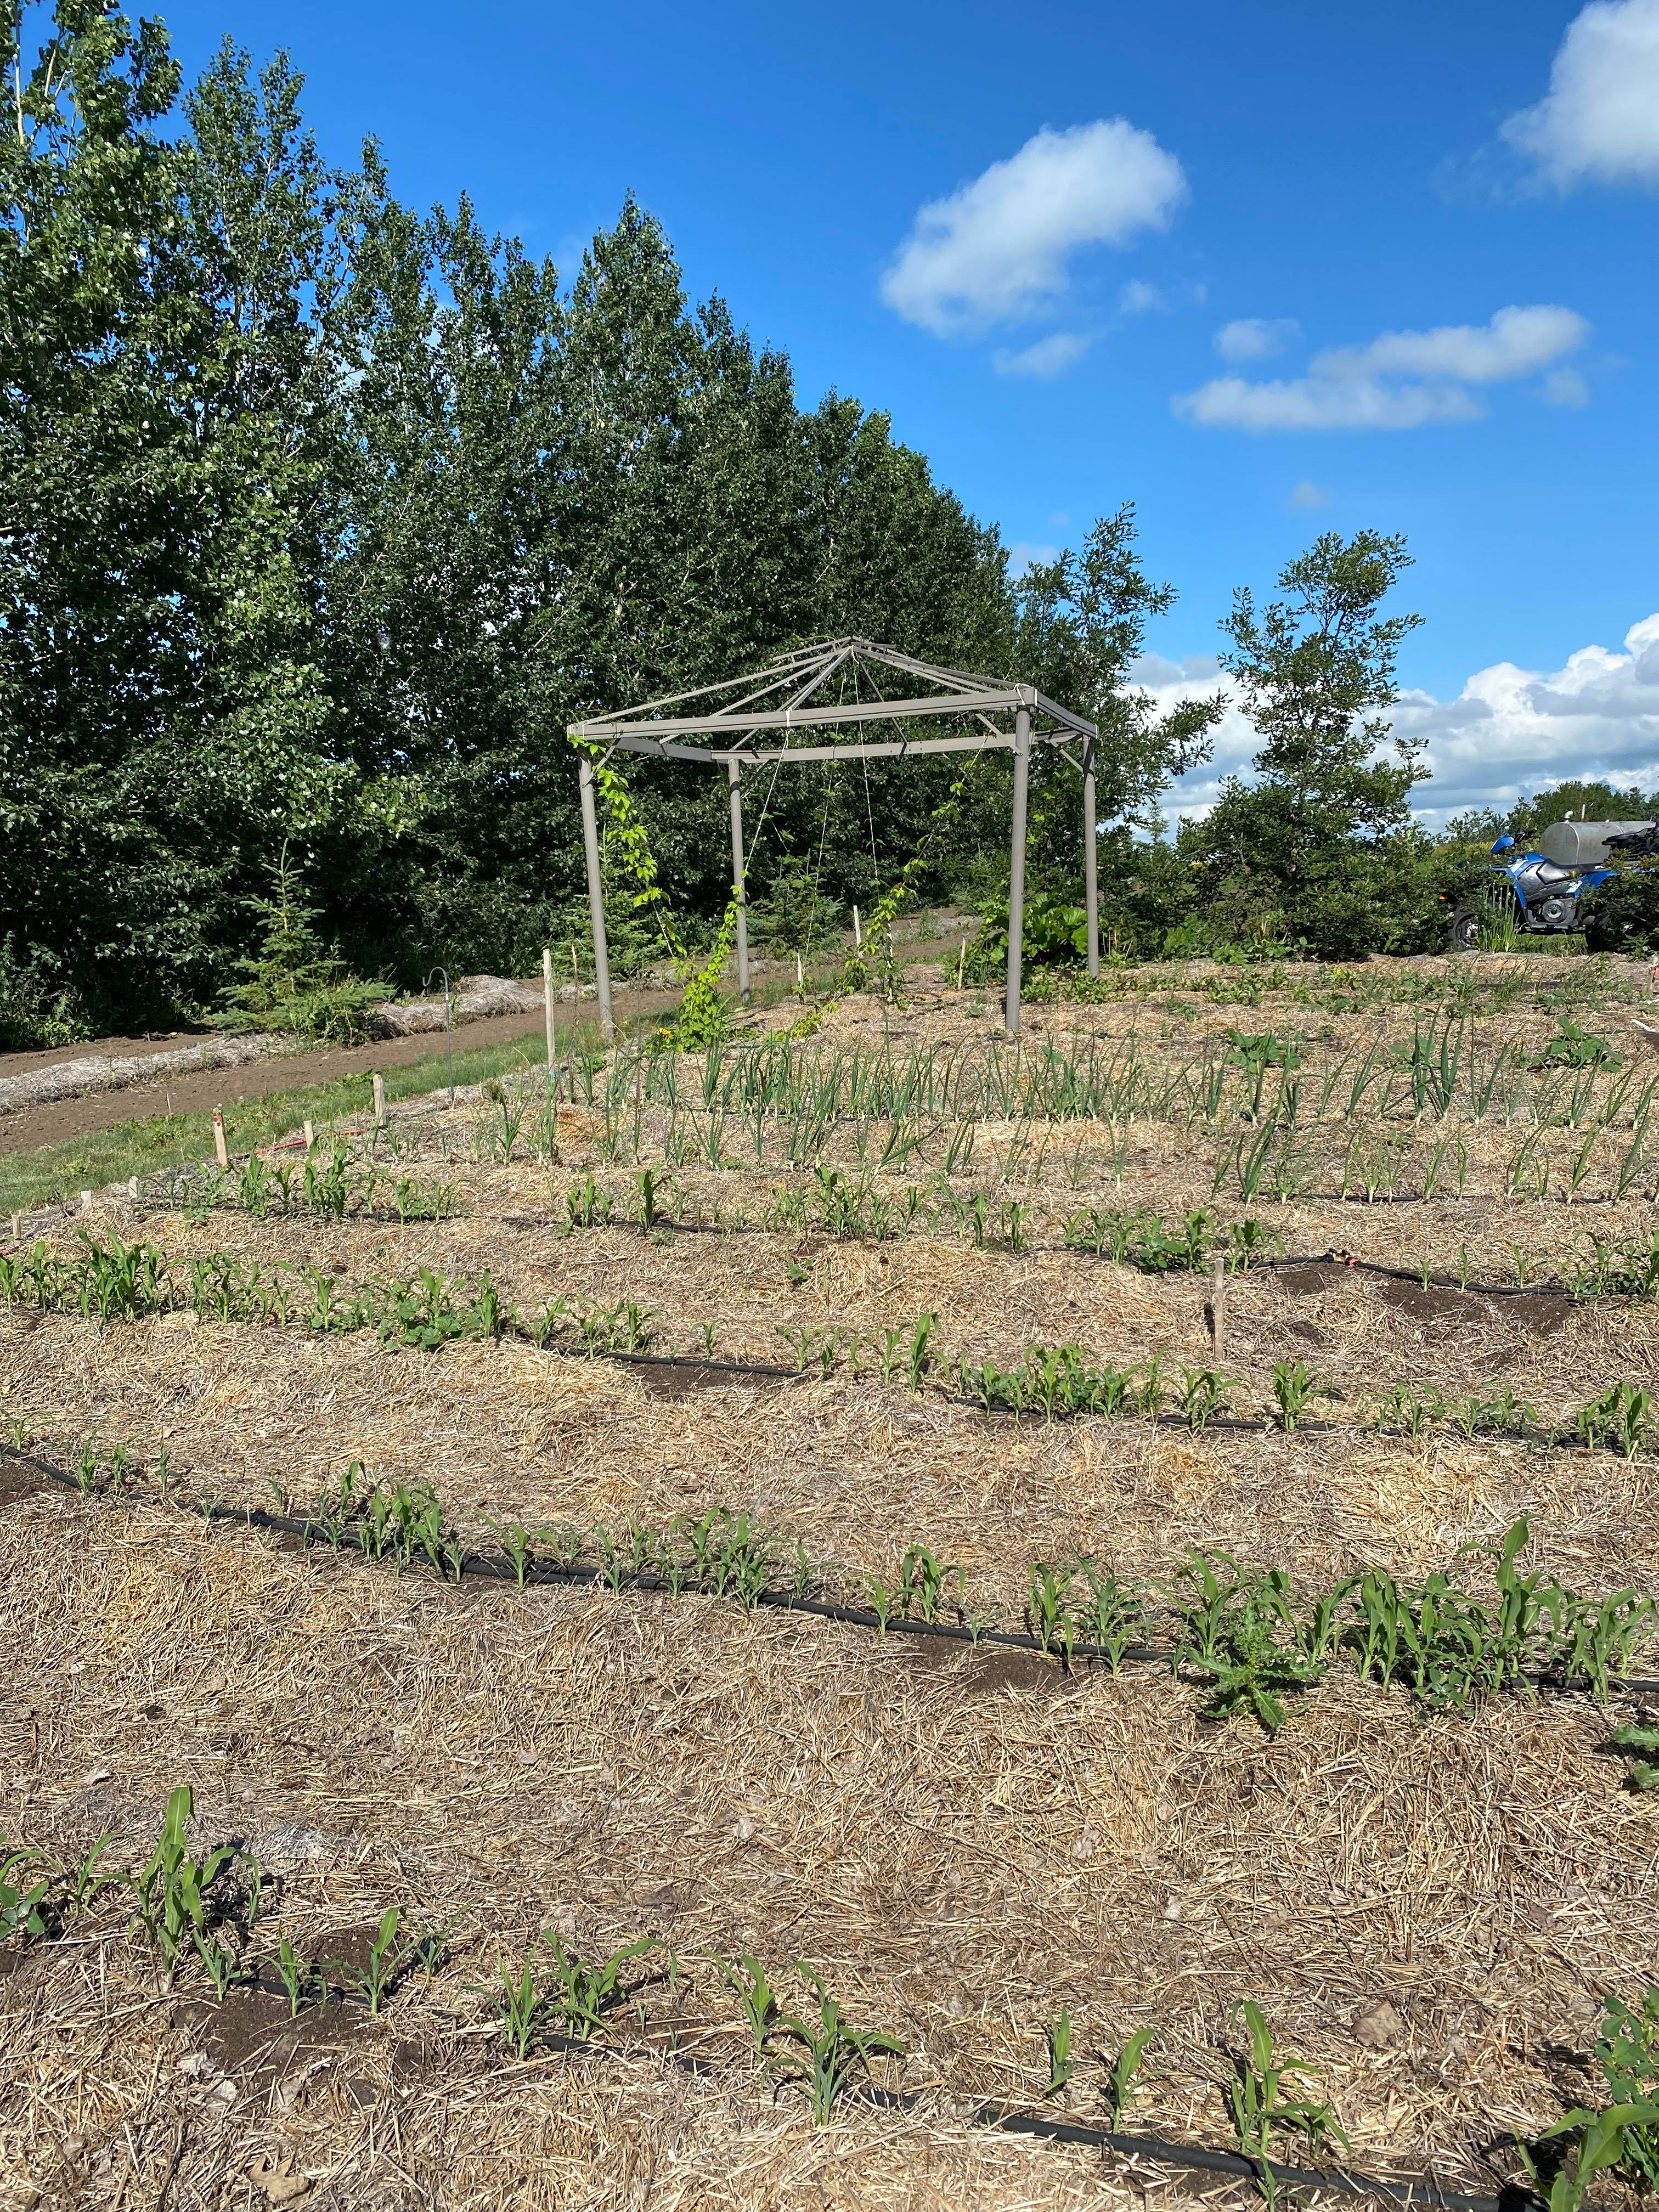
<point x="321" y="519"/>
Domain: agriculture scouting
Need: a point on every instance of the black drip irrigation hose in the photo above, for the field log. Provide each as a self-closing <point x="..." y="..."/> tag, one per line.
<point x="1513" y="2197"/>
<point x="1238" y="1424"/>
<point x="481" y="1566"/>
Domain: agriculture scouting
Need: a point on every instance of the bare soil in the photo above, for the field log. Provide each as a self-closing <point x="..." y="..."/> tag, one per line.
<point x="31" y="1127"/>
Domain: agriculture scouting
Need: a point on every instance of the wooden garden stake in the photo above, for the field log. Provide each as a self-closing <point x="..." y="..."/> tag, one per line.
<point x="800" y="978"/>
<point x="858" y="932"/>
<point x="547" y="998"/>
<point x="1218" y="1306"/>
<point x="308" y="1134"/>
<point x="221" y="1149"/>
<point x="380" y="1101"/>
<point x="962" y="961"/>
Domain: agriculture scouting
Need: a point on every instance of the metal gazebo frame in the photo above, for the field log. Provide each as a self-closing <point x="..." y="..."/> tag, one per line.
<point x="787" y="696"/>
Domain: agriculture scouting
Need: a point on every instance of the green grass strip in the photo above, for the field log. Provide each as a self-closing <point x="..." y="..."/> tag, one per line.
<point x="58" y="1173"/>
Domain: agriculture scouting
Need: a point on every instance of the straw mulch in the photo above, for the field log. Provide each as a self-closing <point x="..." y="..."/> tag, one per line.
<point x="960" y="1843"/>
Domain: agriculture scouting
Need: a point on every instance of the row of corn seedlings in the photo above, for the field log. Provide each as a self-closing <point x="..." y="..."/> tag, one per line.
<point x="428" y="1309"/>
<point x="1253" y="1634"/>
<point x="208" y="1910"/>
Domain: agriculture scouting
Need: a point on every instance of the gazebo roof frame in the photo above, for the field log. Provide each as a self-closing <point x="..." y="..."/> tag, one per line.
<point x="650" y="728"/>
<point x="788" y="695"/>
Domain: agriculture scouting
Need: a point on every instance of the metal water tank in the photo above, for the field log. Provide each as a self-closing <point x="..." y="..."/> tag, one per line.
<point x="1583" y="844"/>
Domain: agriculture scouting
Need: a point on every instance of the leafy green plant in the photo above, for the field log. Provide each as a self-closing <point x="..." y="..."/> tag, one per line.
<point x="1640" y="1745"/>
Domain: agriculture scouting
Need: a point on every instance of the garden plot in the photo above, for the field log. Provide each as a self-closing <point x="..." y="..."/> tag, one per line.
<point x="554" y="1410"/>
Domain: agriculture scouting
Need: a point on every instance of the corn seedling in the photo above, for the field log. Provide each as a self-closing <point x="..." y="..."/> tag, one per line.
<point x="832" y="2054"/>
<point x="1062" y="2066"/>
<point x="1265" y="2095"/>
<point x="1295" y="1388"/>
<point x="1121" y="2083"/>
<point x="23" y="1904"/>
<point x="924" y="1583"/>
<point x="757" y="1996"/>
<point x="584" y="1994"/>
<point x="299" y="1977"/>
<point x="519" y="2007"/>
<point x="172" y="1890"/>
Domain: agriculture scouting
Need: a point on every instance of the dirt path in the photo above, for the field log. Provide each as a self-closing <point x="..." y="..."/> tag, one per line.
<point x="199" y="1093"/>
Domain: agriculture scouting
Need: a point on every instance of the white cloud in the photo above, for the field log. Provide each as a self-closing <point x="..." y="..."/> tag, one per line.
<point x="1049" y="356"/>
<point x="1139" y="298"/>
<point x="1358" y="387"/>
<point x="1564" y="387"/>
<point x="1306" y="494"/>
<point x="1251" y="338"/>
<point x="1518" y="342"/>
<point x="1000" y="247"/>
<point x="1599" y="122"/>
<point x="1312" y="402"/>
<point x="1023" y="556"/>
<point x="1509" y="732"/>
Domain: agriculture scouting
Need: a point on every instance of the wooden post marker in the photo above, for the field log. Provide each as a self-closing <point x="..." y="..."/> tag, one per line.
<point x="800" y="978"/>
<point x="380" y="1101"/>
<point x="858" y="932"/>
<point x="547" y="996"/>
<point x="308" y="1134"/>
<point x="962" y="961"/>
<point x="1218" y="1304"/>
<point x="221" y="1149"/>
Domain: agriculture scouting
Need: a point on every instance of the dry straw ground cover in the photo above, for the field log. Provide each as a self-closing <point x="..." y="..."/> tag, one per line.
<point x="974" y="1848"/>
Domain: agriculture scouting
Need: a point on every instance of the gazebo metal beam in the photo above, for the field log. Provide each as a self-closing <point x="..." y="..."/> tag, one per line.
<point x="1018" y="698"/>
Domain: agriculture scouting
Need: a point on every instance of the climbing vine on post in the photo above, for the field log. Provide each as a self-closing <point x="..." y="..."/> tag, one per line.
<point x="702" y="1019"/>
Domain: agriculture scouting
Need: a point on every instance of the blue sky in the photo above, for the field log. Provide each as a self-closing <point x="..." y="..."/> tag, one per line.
<point x="1183" y="256"/>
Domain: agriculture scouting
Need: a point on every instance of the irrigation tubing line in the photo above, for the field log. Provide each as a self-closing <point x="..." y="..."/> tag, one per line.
<point x="1043" y="2127"/>
<point x="482" y="1567"/>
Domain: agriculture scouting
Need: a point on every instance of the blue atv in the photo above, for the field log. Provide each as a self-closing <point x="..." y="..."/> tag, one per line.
<point x="1543" y="892"/>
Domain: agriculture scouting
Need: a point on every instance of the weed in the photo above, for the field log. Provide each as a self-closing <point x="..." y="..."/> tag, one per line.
<point x="1639" y="1744"/>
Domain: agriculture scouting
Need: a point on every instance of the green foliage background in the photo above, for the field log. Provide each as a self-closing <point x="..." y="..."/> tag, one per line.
<point x="321" y="519"/>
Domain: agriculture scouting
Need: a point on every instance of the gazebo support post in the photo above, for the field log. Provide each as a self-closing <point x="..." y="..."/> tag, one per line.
<point x="1017" y="871"/>
<point x="1090" y="859"/>
<point x="739" y="890"/>
<point x="596" y="896"/>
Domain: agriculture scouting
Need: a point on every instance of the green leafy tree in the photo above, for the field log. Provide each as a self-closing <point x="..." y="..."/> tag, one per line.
<point x="1319" y="847"/>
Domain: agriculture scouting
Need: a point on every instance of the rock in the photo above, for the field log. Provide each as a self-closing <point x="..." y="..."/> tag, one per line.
<point x="1378" y="2026"/>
